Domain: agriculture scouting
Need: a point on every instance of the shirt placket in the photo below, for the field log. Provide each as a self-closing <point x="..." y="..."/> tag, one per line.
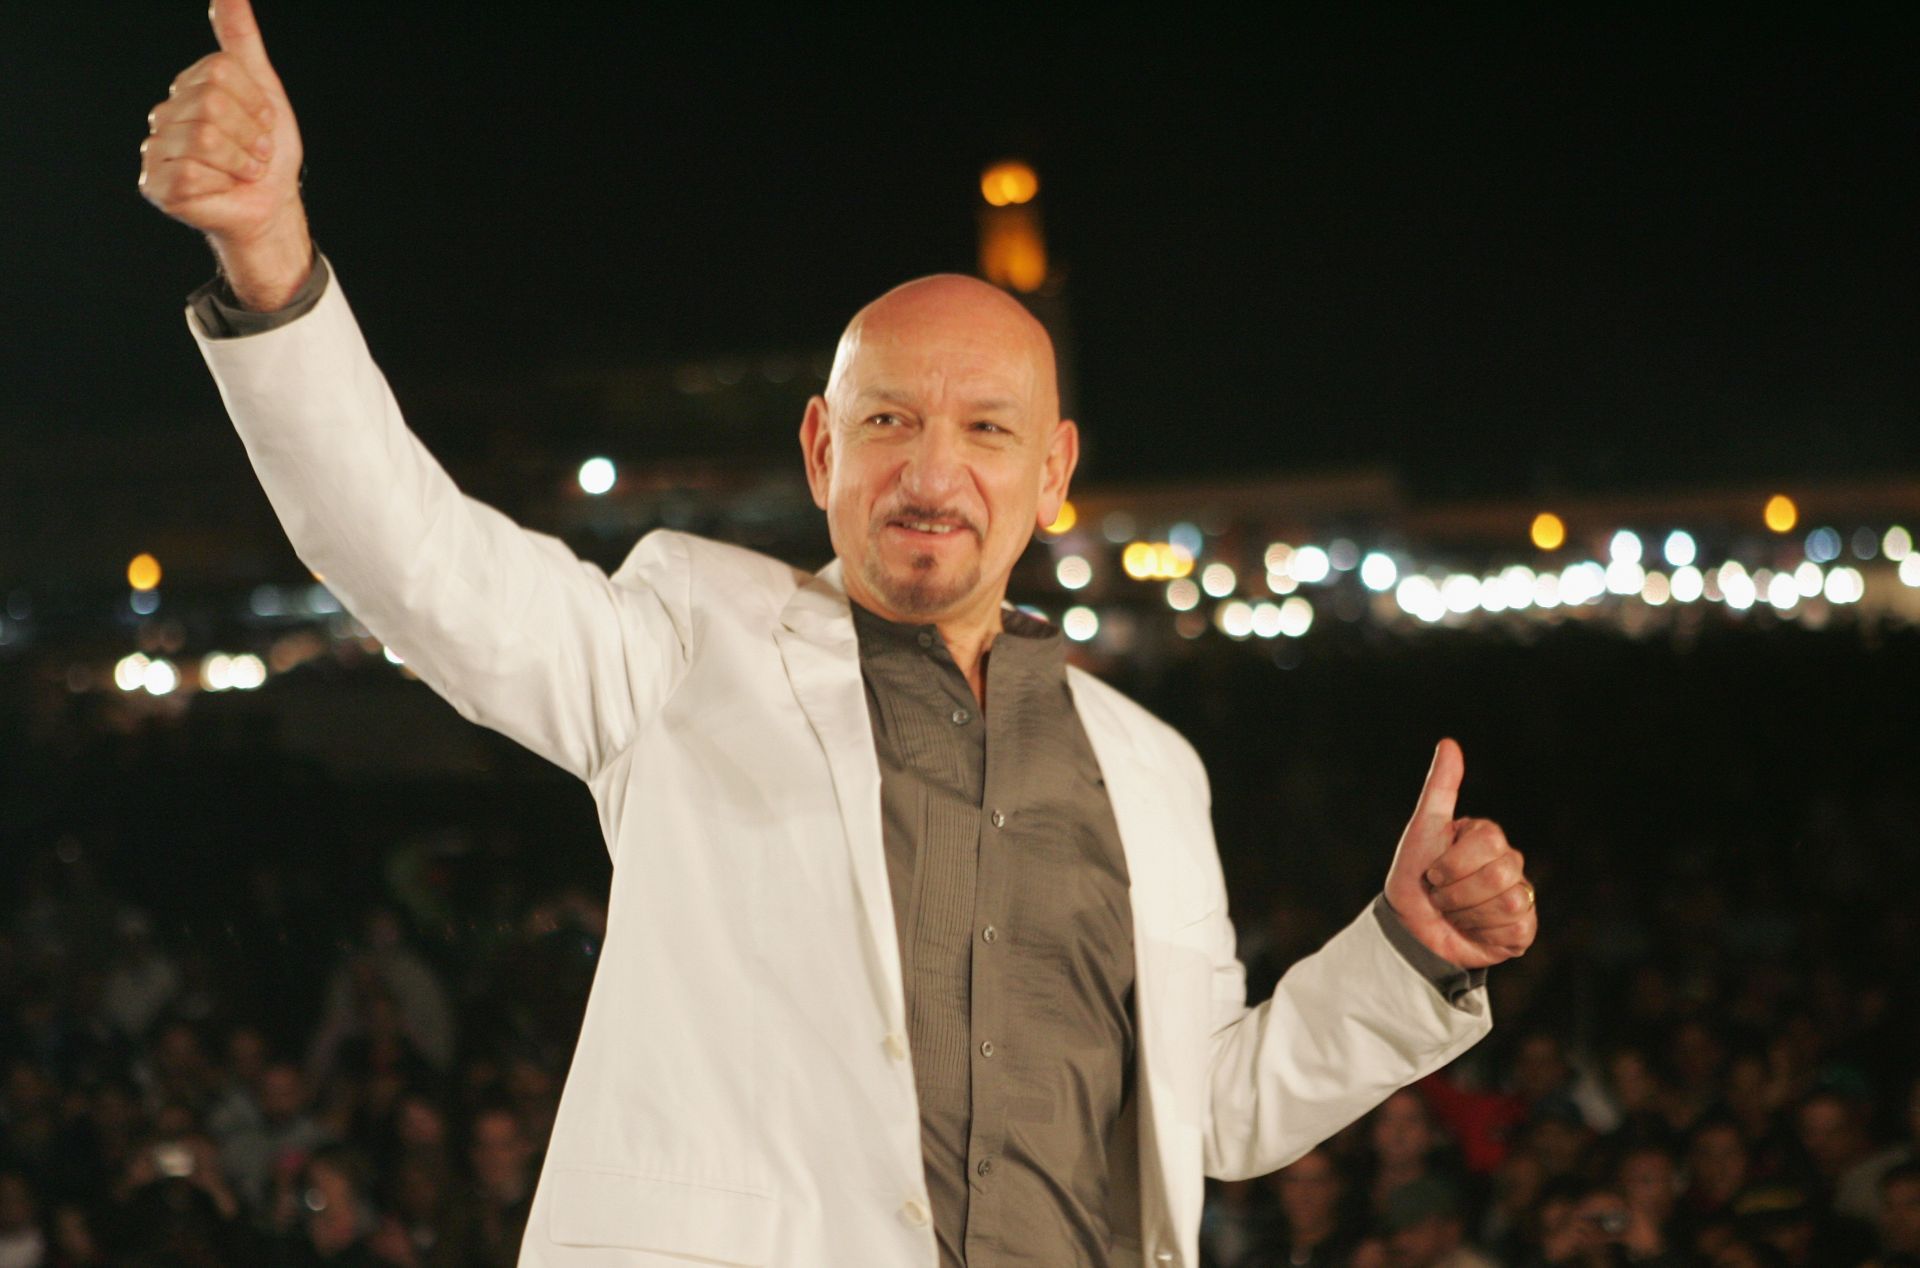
<point x="992" y="1043"/>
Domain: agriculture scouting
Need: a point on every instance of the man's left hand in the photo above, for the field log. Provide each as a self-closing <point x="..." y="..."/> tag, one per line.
<point x="1456" y="883"/>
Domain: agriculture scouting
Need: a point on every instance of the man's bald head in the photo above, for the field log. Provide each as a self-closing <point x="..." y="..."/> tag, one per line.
<point x="938" y="448"/>
<point x="944" y="304"/>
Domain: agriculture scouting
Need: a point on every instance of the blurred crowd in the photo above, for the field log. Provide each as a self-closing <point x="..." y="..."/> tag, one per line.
<point x="256" y="1012"/>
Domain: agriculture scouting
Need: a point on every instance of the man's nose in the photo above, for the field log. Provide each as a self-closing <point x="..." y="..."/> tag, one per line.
<point x="936" y="468"/>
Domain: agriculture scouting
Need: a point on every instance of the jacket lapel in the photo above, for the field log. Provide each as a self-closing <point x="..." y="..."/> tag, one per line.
<point x="822" y="657"/>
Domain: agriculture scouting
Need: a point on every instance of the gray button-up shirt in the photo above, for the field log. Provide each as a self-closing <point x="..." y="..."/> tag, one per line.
<point x="1010" y="898"/>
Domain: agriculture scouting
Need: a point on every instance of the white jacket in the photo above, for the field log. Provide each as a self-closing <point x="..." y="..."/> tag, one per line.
<point x="742" y="1092"/>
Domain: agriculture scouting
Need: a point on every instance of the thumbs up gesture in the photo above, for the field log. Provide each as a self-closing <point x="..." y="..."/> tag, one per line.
<point x="223" y="155"/>
<point x="1456" y="883"/>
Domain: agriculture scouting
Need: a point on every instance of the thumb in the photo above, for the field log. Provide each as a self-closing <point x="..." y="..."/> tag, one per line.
<point x="238" y="33"/>
<point x="1441" y="792"/>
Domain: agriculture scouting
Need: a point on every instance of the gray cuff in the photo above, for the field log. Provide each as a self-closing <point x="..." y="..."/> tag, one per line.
<point x="1452" y="981"/>
<point x="223" y="317"/>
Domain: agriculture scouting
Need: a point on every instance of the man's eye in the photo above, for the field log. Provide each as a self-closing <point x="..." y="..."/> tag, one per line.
<point x="994" y="428"/>
<point x="884" y="420"/>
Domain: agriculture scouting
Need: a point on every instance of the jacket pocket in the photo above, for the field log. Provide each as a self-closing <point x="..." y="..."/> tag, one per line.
<point x="602" y="1207"/>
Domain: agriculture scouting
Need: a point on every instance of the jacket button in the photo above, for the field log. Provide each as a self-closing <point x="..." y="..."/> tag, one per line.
<point x="914" y="1212"/>
<point x="986" y="1048"/>
<point x="989" y="934"/>
<point x="999" y="820"/>
<point x="897" y="1046"/>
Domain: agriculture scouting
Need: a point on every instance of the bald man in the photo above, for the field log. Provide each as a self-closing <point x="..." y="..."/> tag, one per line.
<point x="918" y="948"/>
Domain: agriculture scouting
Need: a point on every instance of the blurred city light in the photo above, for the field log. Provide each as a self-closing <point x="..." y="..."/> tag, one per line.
<point x="160" y="677"/>
<point x="1546" y="590"/>
<point x="1656" y="590"/>
<point x="1378" y="572"/>
<point x="1279" y="558"/>
<point x="393" y="657"/>
<point x="1296" y="617"/>
<point x="1117" y="527"/>
<point x="1266" y="619"/>
<point x="247" y="671"/>
<point x="1736" y="586"/>
<point x="1910" y="569"/>
<point x="216" y="672"/>
<point x="1680" y="549"/>
<point x="1065" y="520"/>
<point x="1074" y="572"/>
<point x="1625" y="548"/>
<point x="1897" y="544"/>
<point x="597" y="476"/>
<point x="1217" y="580"/>
<point x="1782" y="593"/>
<point x="145" y="602"/>
<point x="1845" y="585"/>
<point x="1183" y="595"/>
<point x="1625" y="576"/>
<point x="143" y="572"/>
<point x="1549" y="531"/>
<point x="1823" y="546"/>
<point x="1688" y="584"/>
<point x="1342" y="554"/>
<point x="1009" y="183"/>
<point x="129" y="672"/>
<point x="1080" y="624"/>
<point x="1419" y="597"/>
<point x="1460" y="592"/>
<point x="1781" y="514"/>
<point x="1235" y="619"/>
<point x="1310" y="564"/>
<point x="1808" y="579"/>
<point x="1187" y="537"/>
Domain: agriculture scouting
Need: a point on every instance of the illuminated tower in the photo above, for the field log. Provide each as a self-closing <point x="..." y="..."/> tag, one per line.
<point x="1013" y="256"/>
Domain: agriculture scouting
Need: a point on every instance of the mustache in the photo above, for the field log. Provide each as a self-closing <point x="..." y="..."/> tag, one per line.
<point x="929" y="514"/>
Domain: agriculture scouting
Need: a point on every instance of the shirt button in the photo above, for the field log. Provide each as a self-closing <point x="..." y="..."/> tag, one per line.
<point x="986" y="1165"/>
<point x="926" y="638"/>
<point x="999" y="820"/>
<point x="986" y="1049"/>
<point x="914" y="1212"/>
<point x="989" y="934"/>
<point x="897" y="1046"/>
<point x="961" y="717"/>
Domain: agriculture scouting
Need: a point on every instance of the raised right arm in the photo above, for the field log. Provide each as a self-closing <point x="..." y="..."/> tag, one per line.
<point x="514" y="630"/>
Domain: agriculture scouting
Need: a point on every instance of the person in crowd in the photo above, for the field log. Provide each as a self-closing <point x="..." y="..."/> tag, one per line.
<point x="1316" y="1225"/>
<point x="285" y="1134"/>
<point x="1424" y="1222"/>
<point x="504" y="1163"/>
<point x="1899" y="1217"/>
<point x="23" y="1242"/>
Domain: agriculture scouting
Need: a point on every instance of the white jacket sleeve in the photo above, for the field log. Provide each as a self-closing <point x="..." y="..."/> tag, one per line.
<point x="512" y="628"/>
<point x="1346" y="1027"/>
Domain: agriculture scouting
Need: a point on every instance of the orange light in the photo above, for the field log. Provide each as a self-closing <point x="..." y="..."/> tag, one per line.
<point x="1008" y="184"/>
<point x="1781" y="513"/>
<point x="1065" y="520"/>
<point x="1549" y="531"/>
<point x="143" y="573"/>
<point x="1138" y="560"/>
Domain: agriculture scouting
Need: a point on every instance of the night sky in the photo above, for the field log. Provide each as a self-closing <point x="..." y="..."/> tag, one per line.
<point x="1503" y="254"/>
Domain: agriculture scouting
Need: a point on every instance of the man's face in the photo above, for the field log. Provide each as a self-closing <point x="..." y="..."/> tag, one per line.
<point x="937" y="449"/>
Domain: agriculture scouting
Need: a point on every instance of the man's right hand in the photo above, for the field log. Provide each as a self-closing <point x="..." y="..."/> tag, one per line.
<point x="223" y="155"/>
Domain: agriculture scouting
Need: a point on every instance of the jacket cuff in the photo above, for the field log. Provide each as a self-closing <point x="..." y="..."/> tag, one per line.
<point x="223" y="317"/>
<point x="1453" y="982"/>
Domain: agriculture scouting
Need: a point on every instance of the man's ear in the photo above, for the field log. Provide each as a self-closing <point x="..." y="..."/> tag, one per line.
<point x="816" y="449"/>
<point x="1063" y="454"/>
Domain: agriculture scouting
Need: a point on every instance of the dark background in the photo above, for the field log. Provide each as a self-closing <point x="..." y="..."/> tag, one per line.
<point x="1501" y="251"/>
